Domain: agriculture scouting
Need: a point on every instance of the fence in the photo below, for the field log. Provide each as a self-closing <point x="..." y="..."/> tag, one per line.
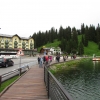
<point x="55" y="89"/>
<point x="15" y="72"/>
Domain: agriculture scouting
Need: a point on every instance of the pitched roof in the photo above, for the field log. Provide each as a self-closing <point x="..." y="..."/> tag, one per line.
<point x="6" y="35"/>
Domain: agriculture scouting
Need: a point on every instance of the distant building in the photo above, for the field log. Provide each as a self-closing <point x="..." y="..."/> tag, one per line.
<point x="52" y="50"/>
<point x="15" y="42"/>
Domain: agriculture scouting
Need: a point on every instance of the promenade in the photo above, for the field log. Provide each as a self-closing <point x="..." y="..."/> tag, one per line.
<point x="30" y="86"/>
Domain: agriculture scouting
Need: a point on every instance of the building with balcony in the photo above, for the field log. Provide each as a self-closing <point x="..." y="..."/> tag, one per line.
<point x="15" y="42"/>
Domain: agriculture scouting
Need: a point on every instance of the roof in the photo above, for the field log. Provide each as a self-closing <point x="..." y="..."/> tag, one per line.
<point x="10" y="36"/>
<point x="5" y="35"/>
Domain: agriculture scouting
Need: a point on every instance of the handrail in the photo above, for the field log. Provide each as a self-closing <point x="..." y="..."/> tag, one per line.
<point x="13" y="73"/>
<point x="55" y="89"/>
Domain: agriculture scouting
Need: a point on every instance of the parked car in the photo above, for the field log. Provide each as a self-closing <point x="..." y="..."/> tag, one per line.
<point x="5" y="62"/>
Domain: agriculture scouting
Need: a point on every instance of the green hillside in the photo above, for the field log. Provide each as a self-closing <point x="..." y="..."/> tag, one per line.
<point x="90" y="50"/>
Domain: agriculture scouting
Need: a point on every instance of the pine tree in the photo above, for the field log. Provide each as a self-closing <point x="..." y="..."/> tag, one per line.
<point x="82" y="39"/>
<point x="75" y="38"/>
<point x="82" y="29"/>
<point x="99" y="46"/>
<point x="81" y="49"/>
<point x="60" y="35"/>
<point x="86" y="37"/>
<point x="98" y="34"/>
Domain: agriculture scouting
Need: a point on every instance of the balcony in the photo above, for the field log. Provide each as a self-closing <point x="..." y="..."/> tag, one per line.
<point x="19" y="44"/>
<point x="10" y="43"/>
<point x="27" y="44"/>
<point x="10" y="46"/>
<point x="2" y="41"/>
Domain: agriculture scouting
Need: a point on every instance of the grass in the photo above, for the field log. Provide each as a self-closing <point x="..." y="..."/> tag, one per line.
<point x="54" y="44"/>
<point x="61" y="67"/>
<point x="92" y="49"/>
<point x="71" y="66"/>
<point x="7" y="83"/>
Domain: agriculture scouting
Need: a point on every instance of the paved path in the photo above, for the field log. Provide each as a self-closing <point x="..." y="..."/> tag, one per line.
<point x="31" y="86"/>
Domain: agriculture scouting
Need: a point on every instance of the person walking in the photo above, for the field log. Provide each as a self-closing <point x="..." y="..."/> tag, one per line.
<point x="46" y="57"/>
<point x="58" y="57"/>
<point x="64" y="57"/>
<point x="41" y="62"/>
<point x="38" y="59"/>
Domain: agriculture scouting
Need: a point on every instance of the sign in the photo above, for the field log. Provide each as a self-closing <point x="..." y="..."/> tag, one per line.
<point x="20" y="53"/>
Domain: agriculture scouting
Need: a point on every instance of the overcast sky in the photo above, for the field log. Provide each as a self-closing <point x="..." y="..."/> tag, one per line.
<point x="25" y="17"/>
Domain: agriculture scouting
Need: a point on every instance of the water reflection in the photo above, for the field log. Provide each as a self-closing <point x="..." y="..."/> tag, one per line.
<point x="83" y="83"/>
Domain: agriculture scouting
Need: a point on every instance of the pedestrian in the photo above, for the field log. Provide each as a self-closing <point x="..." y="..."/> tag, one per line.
<point x="38" y="59"/>
<point x="64" y="58"/>
<point x="46" y="57"/>
<point x="58" y="57"/>
<point x="41" y="62"/>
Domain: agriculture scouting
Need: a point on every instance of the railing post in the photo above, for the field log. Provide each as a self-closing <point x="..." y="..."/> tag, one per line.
<point x="28" y="67"/>
<point x="44" y="73"/>
<point x="0" y="80"/>
<point x="48" y="83"/>
<point x="20" y="71"/>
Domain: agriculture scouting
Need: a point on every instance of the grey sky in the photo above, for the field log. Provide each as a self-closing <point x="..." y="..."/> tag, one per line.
<point x="25" y="17"/>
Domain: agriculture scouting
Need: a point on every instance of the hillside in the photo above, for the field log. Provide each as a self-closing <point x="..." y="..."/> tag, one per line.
<point x="90" y="50"/>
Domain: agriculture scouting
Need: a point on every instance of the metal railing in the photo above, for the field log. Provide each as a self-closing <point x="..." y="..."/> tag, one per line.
<point x="55" y="89"/>
<point x="16" y="72"/>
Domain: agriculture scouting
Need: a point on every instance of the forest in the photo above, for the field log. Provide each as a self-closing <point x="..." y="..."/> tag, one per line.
<point x="69" y="38"/>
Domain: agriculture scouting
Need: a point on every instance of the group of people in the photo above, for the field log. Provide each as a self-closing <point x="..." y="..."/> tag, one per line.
<point x="73" y="56"/>
<point x="44" y="59"/>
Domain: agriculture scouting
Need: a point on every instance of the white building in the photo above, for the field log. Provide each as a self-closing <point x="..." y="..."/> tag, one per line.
<point x="53" y="50"/>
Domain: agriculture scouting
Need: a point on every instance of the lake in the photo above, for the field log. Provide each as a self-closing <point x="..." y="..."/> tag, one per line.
<point x="83" y="83"/>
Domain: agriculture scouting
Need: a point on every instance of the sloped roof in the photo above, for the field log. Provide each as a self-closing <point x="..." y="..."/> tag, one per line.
<point x="5" y="35"/>
<point x="10" y="36"/>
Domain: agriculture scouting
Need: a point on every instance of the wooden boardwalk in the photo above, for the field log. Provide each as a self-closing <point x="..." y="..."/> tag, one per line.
<point x="30" y="86"/>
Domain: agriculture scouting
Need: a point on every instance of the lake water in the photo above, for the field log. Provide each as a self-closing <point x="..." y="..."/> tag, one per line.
<point x="83" y="84"/>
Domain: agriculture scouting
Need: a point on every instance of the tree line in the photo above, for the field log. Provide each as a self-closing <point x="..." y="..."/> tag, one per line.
<point x="69" y="38"/>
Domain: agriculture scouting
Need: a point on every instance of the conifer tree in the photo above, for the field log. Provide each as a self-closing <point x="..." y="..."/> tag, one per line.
<point x="82" y="39"/>
<point x="99" y="46"/>
<point x="86" y="37"/>
<point x="98" y="34"/>
<point x="81" y="49"/>
<point x="75" y="38"/>
<point x="60" y="35"/>
<point x="82" y="28"/>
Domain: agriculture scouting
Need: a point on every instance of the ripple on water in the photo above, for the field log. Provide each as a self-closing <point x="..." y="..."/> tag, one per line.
<point x="83" y="87"/>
